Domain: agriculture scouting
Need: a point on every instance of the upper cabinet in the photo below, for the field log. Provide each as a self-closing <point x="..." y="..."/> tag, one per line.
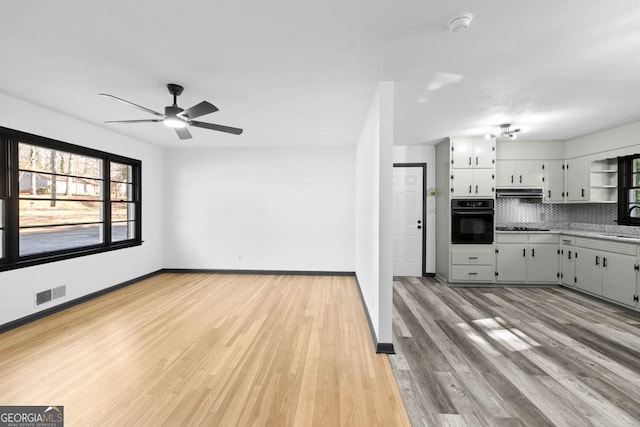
<point x="473" y="153"/>
<point x="577" y="174"/>
<point x="590" y="179"/>
<point x="554" y="181"/>
<point x="519" y="173"/>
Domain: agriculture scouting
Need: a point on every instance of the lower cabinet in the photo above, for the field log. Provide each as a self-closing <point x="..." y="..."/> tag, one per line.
<point x="472" y="263"/>
<point x="527" y="258"/>
<point x="608" y="268"/>
<point x="568" y="260"/>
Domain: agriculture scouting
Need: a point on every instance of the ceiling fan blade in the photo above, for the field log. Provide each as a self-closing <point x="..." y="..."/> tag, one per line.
<point x="228" y="129"/>
<point x="198" y="110"/>
<point x="135" y="121"/>
<point x="183" y="133"/>
<point x="124" y="101"/>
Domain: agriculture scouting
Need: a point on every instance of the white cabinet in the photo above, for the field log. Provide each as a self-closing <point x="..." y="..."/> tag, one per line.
<point x="607" y="268"/>
<point x="577" y="184"/>
<point x="472" y="182"/>
<point x="472" y="263"/>
<point x="527" y="258"/>
<point x="519" y="173"/>
<point x="511" y="258"/>
<point x="472" y="153"/>
<point x="554" y="181"/>
<point x="567" y="260"/>
<point x="619" y="278"/>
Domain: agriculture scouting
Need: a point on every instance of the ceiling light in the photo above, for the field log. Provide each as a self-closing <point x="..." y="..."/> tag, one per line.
<point x="460" y="23"/>
<point x="505" y="132"/>
<point x="174" y="122"/>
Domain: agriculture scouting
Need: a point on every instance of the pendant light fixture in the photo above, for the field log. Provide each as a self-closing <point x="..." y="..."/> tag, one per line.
<point x="505" y="132"/>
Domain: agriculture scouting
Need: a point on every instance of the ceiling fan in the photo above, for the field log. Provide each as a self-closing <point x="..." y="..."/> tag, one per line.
<point x="176" y="117"/>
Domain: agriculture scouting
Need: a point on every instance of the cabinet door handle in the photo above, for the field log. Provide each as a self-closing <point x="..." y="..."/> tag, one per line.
<point x="569" y="257"/>
<point x="524" y="252"/>
<point x="469" y="189"/>
<point x="472" y="274"/>
<point x="473" y="257"/>
<point x="520" y="179"/>
<point x="533" y="253"/>
<point x="549" y="194"/>
<point x="604" y="262"/>
<point x="512" y="179"/>
<point x="597" y="260"/>
<point x="469" y="161"/>
<point x="476" y="160"/>
<point x="476" y="189"/>
<point x="583" y="192"/>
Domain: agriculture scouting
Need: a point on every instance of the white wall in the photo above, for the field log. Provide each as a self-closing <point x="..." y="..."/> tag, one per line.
<point x="260" y="209"/>
<point x="507" y="149"/>
<point x="625" y="140"/>
<point x="17" y="287"/>
<point x="373" y="211"/>
<point x="424" y="154"/>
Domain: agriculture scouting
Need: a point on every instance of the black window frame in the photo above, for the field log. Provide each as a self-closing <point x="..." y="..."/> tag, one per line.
<point x="625" y="184"/>
<point x="10" y="192"/>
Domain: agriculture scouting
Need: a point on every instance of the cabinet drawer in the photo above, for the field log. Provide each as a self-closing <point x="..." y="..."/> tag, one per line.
<point x="568" y="240"/>
<point x="543" y="238"/>
<point x="511" y="238"/>
<point x="475" y="273"/>
<point x="608" y="245"/>
<point x="472" y="257"/>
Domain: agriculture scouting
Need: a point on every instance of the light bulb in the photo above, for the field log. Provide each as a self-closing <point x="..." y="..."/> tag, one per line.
<point x="174" y="122"/>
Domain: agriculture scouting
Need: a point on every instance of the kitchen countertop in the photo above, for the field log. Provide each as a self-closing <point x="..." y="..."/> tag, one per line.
<point x="580" y="233"/>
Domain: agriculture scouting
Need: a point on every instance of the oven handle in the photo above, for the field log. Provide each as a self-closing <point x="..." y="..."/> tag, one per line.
<point x="471" y="212"/>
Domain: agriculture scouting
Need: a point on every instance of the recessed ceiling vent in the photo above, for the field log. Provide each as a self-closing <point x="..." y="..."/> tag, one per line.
<point x="50" y="294"/>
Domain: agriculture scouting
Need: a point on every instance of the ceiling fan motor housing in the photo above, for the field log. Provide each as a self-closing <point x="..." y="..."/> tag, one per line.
<point x="172" y="110"/>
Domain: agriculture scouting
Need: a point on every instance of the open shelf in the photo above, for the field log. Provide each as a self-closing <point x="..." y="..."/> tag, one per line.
<point x="603" y="180"/>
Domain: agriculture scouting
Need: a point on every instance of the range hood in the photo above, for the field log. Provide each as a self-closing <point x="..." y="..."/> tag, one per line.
<point x="519" y="193"/>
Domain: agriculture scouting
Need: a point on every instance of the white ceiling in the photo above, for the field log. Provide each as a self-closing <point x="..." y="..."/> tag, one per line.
<point x="298" y="73"/>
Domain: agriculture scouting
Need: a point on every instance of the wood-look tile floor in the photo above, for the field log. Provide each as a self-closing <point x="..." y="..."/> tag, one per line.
<point x="514" y="356"/>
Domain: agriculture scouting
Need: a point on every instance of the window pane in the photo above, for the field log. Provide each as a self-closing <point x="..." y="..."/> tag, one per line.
<point x="122" y="211"/>
<point x="47" y="186"/>
<point x="121" y="172"/>
<point x="41" y="212"/>
<point x="635" y="165"/>
<point x="39" y="240"/>
<point x="121" y="191"/>
<point x="33" y="157"/>
<point x="634" y="196"/>
<point x="123" y="231"/>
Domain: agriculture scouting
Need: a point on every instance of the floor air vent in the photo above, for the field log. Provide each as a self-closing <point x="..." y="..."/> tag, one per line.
<point x="50" y="294"/>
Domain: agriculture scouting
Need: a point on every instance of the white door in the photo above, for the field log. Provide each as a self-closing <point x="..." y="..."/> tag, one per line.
<point x="407" y="221"/>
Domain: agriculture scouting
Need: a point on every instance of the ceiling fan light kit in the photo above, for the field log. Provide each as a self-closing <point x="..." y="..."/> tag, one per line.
<point x="176" y="117"/>
<point x="505" y="132"/>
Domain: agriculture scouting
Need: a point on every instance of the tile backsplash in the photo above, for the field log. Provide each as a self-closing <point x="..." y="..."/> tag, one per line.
<point x="580" y="216"/>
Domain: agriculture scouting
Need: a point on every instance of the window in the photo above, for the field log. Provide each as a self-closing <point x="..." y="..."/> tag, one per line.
<point x="629" y="190"/>
<point x="59" y="200"/>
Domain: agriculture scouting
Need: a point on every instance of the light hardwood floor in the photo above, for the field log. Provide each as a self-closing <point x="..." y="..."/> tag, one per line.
<point x="514" y="356"/>
<point x="206" y="349"/>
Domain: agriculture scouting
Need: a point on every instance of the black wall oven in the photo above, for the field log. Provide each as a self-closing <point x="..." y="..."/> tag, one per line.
<point x="472" y="221"/>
